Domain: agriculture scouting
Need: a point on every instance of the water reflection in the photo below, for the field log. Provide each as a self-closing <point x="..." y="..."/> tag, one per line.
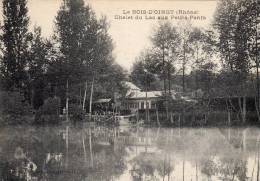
<point x="128" y="153"/>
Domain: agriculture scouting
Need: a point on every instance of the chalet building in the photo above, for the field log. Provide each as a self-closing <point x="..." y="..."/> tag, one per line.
<point x="142" y="100"/>
<point x="136" y="99"/>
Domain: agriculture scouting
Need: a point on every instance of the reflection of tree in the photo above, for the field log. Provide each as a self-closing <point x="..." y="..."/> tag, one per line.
<point x="231" y="168"/>
<point x="165" y="168"/>
<point x="108" y="159"/>
<point x="212" y="151"/>
<point x="208" y="167"/>
<point x="110" y="162"/>
<point x="46" y="147"/>
<point x="207" y="151"/>
<point x="148" y="165"/>
<point x="33" y="143"/>
<point x="143" y="164"/>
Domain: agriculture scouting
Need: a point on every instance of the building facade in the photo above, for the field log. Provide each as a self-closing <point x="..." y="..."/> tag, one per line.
<point x="136" y="99"/>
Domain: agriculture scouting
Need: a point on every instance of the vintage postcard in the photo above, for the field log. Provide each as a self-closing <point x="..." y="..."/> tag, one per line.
<point x="129" y="90"/>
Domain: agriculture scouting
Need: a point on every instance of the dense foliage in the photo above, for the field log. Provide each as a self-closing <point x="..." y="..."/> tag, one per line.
<point x="49" y="112"/>
<point x="221" y="62"/>
<point x="14" y="109"/>
<point x="78" y="55"/>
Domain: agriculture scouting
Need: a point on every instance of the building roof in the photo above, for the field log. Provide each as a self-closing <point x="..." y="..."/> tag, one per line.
<point x="140" y="94"/>
<point x="135" y="92"/>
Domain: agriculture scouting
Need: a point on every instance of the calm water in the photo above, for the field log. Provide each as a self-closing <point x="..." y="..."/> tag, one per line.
<point x="128" y="153"/>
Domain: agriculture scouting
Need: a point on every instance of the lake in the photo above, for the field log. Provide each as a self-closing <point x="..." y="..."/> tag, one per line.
<point x="84" y="152"/>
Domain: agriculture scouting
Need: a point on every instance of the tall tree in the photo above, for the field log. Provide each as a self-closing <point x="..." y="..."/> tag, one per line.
<point x="225" y="19"/>
<point x="185" y="49"/>
<point x="71" y="24"/>
<point x="85" y="52"/>
<point x="166" y="40"/>
<point x="15" y="37"/>
<point x="145" y="70"/>
<point x="39" y="58"/>
<point x="202" y="44"/>
<point x="236" y="22"/>
<point x="76" y="29"/>
<point x="251" y="23"/>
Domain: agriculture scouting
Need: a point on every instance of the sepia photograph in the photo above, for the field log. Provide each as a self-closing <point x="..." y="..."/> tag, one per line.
<point x="129" y="90"/>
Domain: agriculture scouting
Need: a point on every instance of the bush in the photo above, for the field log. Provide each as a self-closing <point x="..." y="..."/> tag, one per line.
<point x="76" y="112"/>
<point x="49" y="112"/>
<point x="14" y="109"/>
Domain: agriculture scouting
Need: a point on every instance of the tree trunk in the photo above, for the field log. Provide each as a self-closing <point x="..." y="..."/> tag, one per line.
<point x="169" y="88"/>
<point x="80" y="95"/>
<point x="183" y="66"/>
<point x="164" y="83"/>
<point x="205" y="118"/>
<point x="257" y="109"/>
<point x="91" y="97"/>
<point x="244" y="109"/>
<point x="67" y="100"/>
<point x="148" y="114"/>
<point x="179" y="120"/>
<point x="228" y="113"/>
<point x="85" y="96"/>
<point x="169" y="78"/>
<point x="257" y="64"/>
<point x="196" y="73"/>
<point x="171" y="118"/>
<point x="229" y="117"/>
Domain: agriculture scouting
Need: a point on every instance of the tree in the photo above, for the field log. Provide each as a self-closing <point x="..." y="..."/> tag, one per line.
<point x="13" y="108"/>
<point x="202" y="46"/>
<point x="138" y="74"/>
<point x="84" y="53"/>
<point x="224" y="22"/>
<point x="38" y="62"/>
<point x="251" y="22"/>
<point x="15" y="37"/>
<point x="76" y="34"/>
<point x="107" y="73"/>
<point x="185" y="49"/>
<point x="236" y="22"/>
<point x="49" y="112"/>
<point x="166" y="40"/>
<point x="71" y="23"/>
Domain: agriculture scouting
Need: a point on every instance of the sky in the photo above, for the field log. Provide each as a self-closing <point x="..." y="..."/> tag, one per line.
<point x="130" y="37"/>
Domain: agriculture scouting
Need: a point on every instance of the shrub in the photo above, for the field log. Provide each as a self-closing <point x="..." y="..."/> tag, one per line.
<point x="76" y="112"/>
<point x="14" y="109"/>
<point x="49" y="112"/>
